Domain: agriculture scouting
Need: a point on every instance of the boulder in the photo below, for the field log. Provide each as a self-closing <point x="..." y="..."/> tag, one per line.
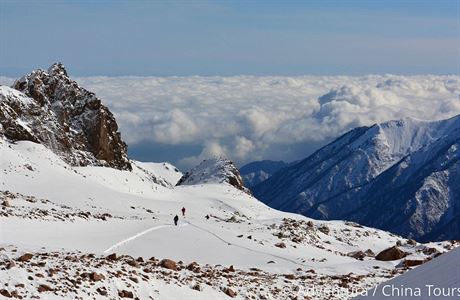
<point x="96" y="277"/>
<point x="324" y="229"/>
<point x="44" y="288"/>
<point x="112" y="257"/>
<point x="369" y="253"/>
<point x="392" y="253"/>
<point x="412" y="262"/>
<point x="5" y="293"/>
<point x="229" y="292"/>
<point x="280" y="245"/>
<point x="25" y="257"/>
<point x="357" y="254"/>
<point x="168" y="264"/>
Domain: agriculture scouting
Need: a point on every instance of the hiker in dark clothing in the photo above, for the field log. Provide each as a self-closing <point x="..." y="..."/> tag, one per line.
<point x="207" y="217"/>
<point x="183" y="211"/>
<point x="176" y="219"/>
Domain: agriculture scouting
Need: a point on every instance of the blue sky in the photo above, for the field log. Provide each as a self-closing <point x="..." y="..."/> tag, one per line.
<point x="229" y="38"/>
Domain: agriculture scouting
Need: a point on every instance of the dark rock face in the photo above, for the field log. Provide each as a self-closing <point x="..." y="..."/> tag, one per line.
<point x="64" y="117"/>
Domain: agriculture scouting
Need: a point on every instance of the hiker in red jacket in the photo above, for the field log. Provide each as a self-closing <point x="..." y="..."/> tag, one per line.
<point x="183" y="211"/>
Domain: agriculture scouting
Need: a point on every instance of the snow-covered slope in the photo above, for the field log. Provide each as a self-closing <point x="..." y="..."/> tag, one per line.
<point x="401" y="176"/>
<point x="71" y="218"/>
<point x="437" y="279"/>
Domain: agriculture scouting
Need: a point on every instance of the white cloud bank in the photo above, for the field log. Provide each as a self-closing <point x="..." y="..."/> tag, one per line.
<point x="248" y="117"/>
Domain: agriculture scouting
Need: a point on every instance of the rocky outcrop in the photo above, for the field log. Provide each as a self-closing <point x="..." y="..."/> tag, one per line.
<point x="48" y="107"/>
<point x="215" y="170"/>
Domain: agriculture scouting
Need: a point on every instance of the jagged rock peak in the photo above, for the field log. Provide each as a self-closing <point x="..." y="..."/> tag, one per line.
<point x="57" y="69"/>
<point x="214" y="170"/>
<point x="55" y="111"/>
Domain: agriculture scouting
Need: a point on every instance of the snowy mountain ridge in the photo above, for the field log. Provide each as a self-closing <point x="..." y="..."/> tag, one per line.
<point x="372" y="174"/>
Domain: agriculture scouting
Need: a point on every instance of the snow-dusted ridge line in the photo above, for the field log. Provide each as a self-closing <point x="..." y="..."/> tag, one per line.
<point x="370" y="174"/>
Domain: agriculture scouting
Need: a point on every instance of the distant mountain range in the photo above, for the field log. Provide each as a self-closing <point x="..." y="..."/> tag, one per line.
<point x="258" y="171"/>
<point x="402" y="176"/>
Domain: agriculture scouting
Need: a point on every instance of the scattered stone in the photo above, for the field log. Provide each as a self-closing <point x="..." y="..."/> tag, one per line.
<point x="324" y="229"/>
<point x="125" y="294"/>
<point x="229" y="292"/>
<point x="280" y="245"/>
<point x="5" y="293"/>
<point x="411" y="242"/>
<point x="192" y="266"/>
<point x="133" y="263"/>
<point x="112" y="257"/>
<point x="430" y="251"/>
<point x="369" y="253"/>
<point x="10" y="265"/>
<point x="102" y="291"/>
<point x="44" y="288"/>
<point x="6" y="203"/>
<point x="289" y="276"/>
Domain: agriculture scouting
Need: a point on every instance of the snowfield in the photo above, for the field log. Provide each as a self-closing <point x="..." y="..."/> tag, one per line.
<point x="61" y="225"/>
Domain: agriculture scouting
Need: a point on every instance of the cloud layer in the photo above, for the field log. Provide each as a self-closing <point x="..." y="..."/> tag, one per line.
<point x="249" y="118"/>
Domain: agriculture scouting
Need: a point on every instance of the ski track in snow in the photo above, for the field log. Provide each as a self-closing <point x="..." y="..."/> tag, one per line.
<point x="246" y="248"/>
<point x="131" y="238"/>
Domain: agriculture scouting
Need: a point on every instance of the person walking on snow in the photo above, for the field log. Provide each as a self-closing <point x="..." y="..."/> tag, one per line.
<point x="183" y="211"/>
<point x="176" y="219"/>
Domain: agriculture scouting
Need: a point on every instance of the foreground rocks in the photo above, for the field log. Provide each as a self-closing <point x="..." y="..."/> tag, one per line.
<point x="79" y="275"/>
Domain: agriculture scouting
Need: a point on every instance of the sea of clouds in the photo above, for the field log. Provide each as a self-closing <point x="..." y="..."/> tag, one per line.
<point x="250" y="118"/>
